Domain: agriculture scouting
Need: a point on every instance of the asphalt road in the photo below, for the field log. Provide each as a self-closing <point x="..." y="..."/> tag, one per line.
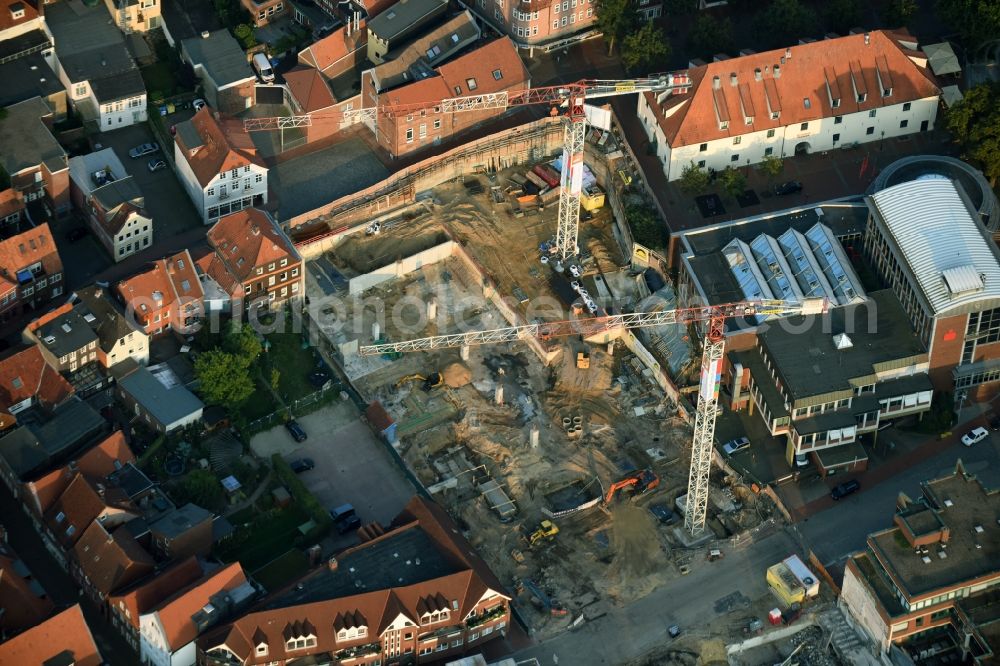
<point x="689" y="601"/>
<point x="836" y="532"/>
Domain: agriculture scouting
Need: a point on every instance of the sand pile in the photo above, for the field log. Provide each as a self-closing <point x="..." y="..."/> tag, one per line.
<point x="456" y="375"/>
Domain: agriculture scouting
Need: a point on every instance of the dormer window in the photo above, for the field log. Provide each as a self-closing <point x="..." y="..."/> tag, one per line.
<point x="887" y="92"/>
<point x="17" y="11"/>
<point x="748" y="120"/>
<point x="862" y="97"/>
<point x="723" y="124"/>
<point x="262" y="650"/>
<point x="835" y="103"/>
<point x="775" y="115"/>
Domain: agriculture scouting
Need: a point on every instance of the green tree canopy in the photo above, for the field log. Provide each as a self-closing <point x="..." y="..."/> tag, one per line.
<point x="223" y="378"/>
<point x="694" y="179"/>
<point x="645" y="49"/>
<point x="647" y="228"/>
<point x="202" y="488"/>
<point x="976" y="20"/>
<point x="710" y="35"/>
<point x="899" y="12"/>
<point x="615" y="19"/>
<point x="772" y="166"/>
<point x="975" y="124"/>
<point x="733" y="181"/>
<point x="244" y="343"/>
<point x="783" y="22"/>
<point x="842" y="15"/>
<point x="246" y="35"/>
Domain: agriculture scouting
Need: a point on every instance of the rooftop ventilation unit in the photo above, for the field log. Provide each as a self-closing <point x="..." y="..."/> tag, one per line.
<point x="842" y="341"/>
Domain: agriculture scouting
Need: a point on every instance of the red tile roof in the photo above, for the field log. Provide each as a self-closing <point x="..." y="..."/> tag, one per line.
<point x="375" y="609"/>
<point x="175" y="613"/>
<point x="24" y="374"/>
<point x="309" y="89"/>
<point x="111" y="560"/>
<point x="23" y="608"/>
<point x="7" y="19"/>
<point x="80" y="504"/>
<point x="163" y="282"/>
<point x="336" y="46"/>
<point x="145" y="596"/>
<point x="245" y="240"/>
<point x="63" y="635"/>
<point x="225" y="145"/>
<point x="27" y="248"/>
<point x="376" y="7"/>
<point x="845" y="64"/>
<point x="96" y="463"/>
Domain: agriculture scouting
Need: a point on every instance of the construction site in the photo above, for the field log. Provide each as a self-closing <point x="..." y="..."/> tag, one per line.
<point x="562" y="456"/>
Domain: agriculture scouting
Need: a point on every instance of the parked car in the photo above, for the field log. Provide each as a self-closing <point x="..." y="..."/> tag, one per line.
<point x="789" y="187"/>
<point x="663" y="514"/>
<point x="348" y="525"/>
<point x="76" y="233"/>
<point x="142" y="150"/>
<point x="976" y="436"/>
<point x="995" y="423"/>
<point x="575" y="271"/>
<point x="734" y="446"/>
<point x="844" y="489"/>
<point x="155" y="165"/>
<point x="802" y="460"/>
<point x="198" y="104"/>
<point x="296" y="431"/>
<point x="345" y="518"/>
<point x="302" y="465"/>
<point x="342" y="512"/>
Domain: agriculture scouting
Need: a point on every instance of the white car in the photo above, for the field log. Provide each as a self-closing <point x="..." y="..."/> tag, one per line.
<point x="977" y="435"/>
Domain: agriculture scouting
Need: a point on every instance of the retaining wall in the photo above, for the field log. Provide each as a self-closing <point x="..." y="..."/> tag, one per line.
<point x="398" y="269"/>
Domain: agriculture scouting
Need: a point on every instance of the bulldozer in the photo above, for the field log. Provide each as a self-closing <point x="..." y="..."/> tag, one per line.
<point x="640" y="482"/>
<point x="429" y="382"/>
<point x="546" y="530"/>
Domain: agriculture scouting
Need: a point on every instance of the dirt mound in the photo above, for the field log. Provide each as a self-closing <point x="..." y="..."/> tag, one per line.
<point x="638" y="556"/>
<point x="456" y="375"/>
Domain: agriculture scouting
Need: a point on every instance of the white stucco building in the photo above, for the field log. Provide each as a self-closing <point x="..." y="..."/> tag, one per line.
<point x="808" y="98"/>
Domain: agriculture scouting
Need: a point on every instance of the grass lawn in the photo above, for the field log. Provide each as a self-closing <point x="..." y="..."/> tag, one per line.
<point x="159" y="78"/>
<point x="260" y="404"/>
<point x="283" y="570"/>
<point x="266" y="539"/>
<point x="293" y="362"/>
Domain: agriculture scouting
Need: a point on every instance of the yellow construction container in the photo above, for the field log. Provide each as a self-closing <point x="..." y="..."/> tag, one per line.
<point x="592" y="198"/>
<point x="785" y="585"/>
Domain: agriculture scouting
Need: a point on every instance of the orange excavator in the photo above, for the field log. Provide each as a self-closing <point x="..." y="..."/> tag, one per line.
<point x="640" y="482"/>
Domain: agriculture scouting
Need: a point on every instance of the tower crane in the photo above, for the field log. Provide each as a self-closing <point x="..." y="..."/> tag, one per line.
<point x="572" y="95"/>
<point x="713" y="316"/>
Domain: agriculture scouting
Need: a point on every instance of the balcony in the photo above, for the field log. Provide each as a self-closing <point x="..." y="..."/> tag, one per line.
<point x="358" y="651"/>
<point x="494" y="613"/>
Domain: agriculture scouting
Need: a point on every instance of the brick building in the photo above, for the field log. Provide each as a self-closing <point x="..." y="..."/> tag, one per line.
<point x="31" y="272"/>
<point x="538" y="22"/>
<point x="167" y="296"/>
<point x="414" y="591"/>
<point x="63" y="638"/>
<point x="223" y="68"/>
<point x="37" y="165"/>
<point x="253" y="261"/>
<point x="339" y="52"/>
<point x="928" y="583"/>
<point x="397" y="24"/>
<point x="495" y="67"/>
<point x="925" y="243"/>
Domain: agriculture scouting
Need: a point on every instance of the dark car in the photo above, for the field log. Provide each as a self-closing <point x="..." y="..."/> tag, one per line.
<point x="790" y="187"/>
<point x="319" y="378"/>
<point x="663" y="514"/>
<point x="345" y="519"/>
<point x="142" y="150"/>
<point x="75" y="234"/>
<point x="844" y="489"/>
<point x="302" y="465"/>
<point x="348" y="525"/>
<point x="296" y="431"/>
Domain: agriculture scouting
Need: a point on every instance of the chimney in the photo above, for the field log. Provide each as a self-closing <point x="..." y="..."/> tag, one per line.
<point x="716" y="83"/>
<point x="732" y="79"/>
<point x="777" y="72"/>
<point x="332" y="564"/>
<point x="788" y="54"/>
<point x="868" y="38"/>
<point x="757" y="74"/>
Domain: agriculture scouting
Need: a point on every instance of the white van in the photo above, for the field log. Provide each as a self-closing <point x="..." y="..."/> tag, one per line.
<point x="263" y="67"/>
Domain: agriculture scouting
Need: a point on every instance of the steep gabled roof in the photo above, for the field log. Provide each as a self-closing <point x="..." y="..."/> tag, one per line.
<point x="62" y="639"/>
<point x="111" y="560"/>
<point x="218" y="144"/>
<point x="96" y="463"/>
<point x="309" y="89"/>
<point x="176" y="612"/>
<point x="325" y="53"/>
<point x="814" y="72"/>
<point x="146" y="596"/>
<point x="248" y="239"/>
<point x="27" y="248"/>
<point x="163" y="283"/>
<point x="22" y="598"/>
<point x="24" y="373"/>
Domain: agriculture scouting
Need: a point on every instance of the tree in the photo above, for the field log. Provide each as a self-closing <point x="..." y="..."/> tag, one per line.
<point x="680" y="7"/>
<point x="772" y="166"/>
<point x="976" y="20"/>
<point x="783" y="22"/>
<point x="645" y="48"/>
<point x="975" y="124"/>
<point x="899" y="12"/>
<point x="733" y="181"/>
<point x="842" y="15"/>
<point x="647" y="229"/>
<point x="202" y="488"/>
<point x="615" y="18"/>
<point x="275" y="378"/>
<point x="244" y="343"/>
<point x="694" y="179"/>
<point x="246" y="35"/>
<point x="709" y="35"/>
<point x="224" y="378"/>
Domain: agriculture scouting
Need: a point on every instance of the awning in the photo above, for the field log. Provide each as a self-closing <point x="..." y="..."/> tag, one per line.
<point x="951" y="95"/>
<point x="942" y="59"/>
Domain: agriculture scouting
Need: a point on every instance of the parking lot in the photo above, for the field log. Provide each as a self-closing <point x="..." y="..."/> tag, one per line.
<point x="352" y="466"/>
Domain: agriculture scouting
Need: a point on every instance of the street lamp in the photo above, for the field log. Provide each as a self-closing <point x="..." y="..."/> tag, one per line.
<point x="959" y="403"/>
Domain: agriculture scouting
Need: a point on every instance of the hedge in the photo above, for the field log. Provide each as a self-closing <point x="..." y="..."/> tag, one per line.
<point x="304" y="498"/>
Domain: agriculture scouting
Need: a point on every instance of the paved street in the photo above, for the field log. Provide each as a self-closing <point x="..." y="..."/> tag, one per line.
<point x="57" y="582"/>
<point x="689" y="601"/>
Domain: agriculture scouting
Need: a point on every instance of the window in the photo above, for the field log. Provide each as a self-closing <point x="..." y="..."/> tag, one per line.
<point x="870" y="131"/>
<point x="837" y="120"/>
<point x="768" y="152"/>
<point x="60" y="516"/>
<point x="555" y="24"/>
<point x="703" y="147"/>
<point x="210" y="192"/>
<point x="497" y="75"/>
<point x="836" y="138"/>
<point x="423" y="130"/>
<point x="572" y="18"/>
<point x="770" y="134"/>
<point x="409" y="135"/>
<point x="563" y="21"/>
<point x="701" y="164"/>
<point x="775" y="114"/>
<point x="836" y="103"/>
<point x="807" y="103"/>
<point x="862" y="97"/>
<point x="735" y="158"/>
<point x="295" y="272"/>
<point x="736" y="140"/>
<point x="262" y="650"/>
<point x="590" y="12"/>
<point x="437" y="124"/>
<point x="724" y="124"/>
<point x="81" y="89"/>
<point x="906" y="107"/>
<point x="471" y="83"/>
<point x="871" y="114"/>
<point x="260" y="270"/>
<point x="903" y="124"/>
<point x="473" y="636"/>
<point x="803" y="127"/>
